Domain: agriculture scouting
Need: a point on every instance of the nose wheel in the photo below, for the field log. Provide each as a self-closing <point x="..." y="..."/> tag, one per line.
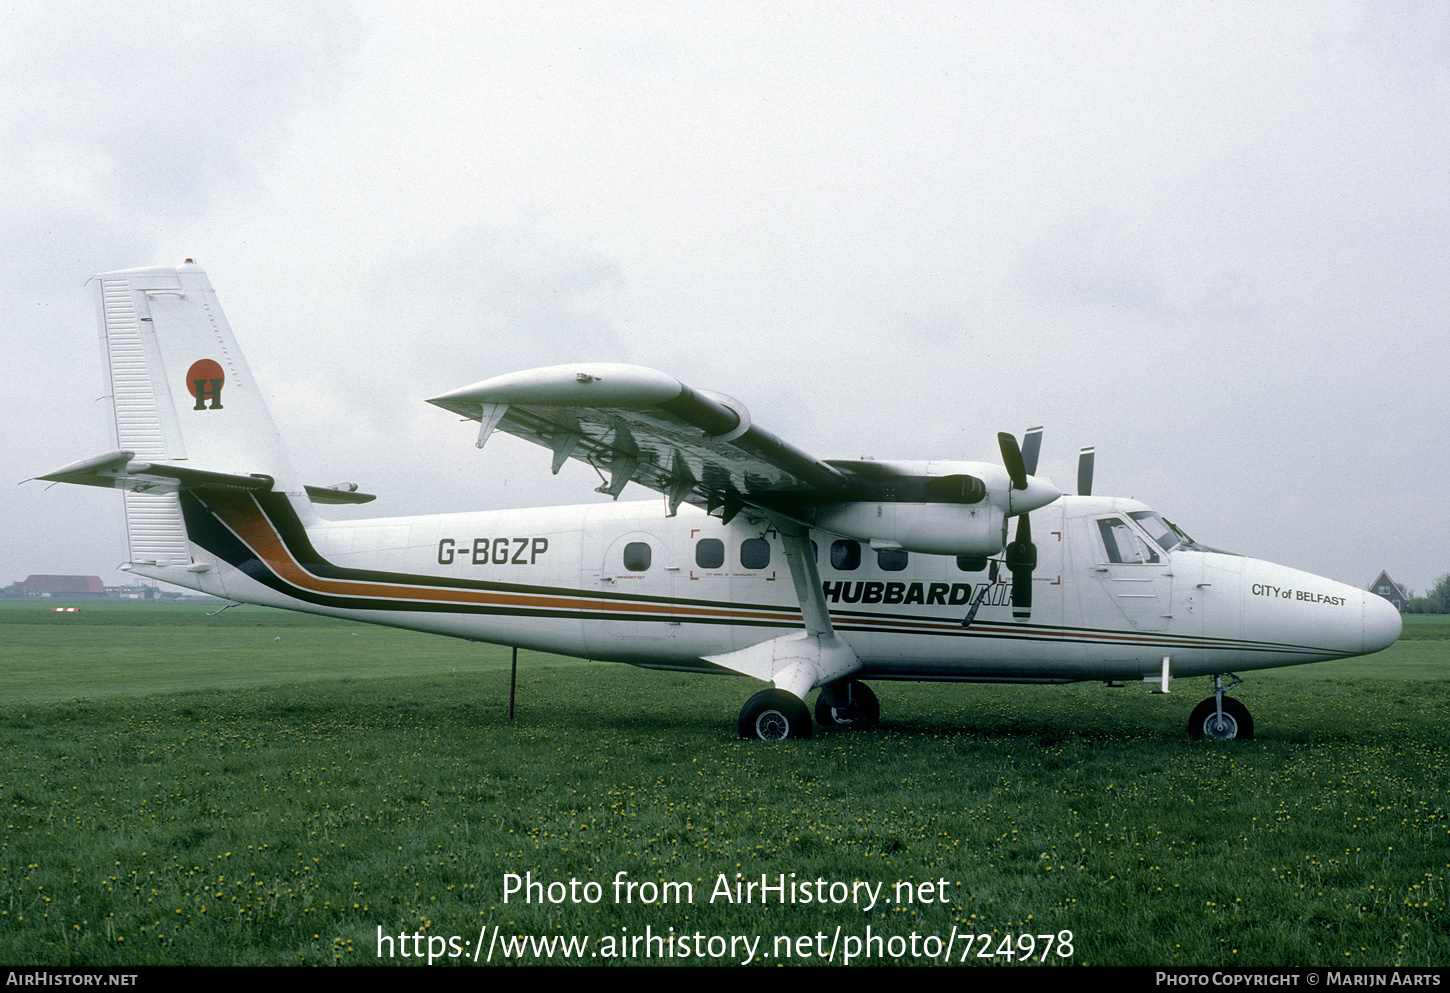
<point x="1220" y="717"/>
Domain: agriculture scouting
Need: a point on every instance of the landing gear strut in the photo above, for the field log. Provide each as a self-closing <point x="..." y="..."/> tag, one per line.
<point x="1220" y="717"/>
<point x="848" y="704"/>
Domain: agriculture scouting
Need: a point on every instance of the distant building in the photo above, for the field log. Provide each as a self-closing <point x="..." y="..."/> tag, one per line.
<point x="1390" y="590"/>
<point x="77" y="587"/>
<point x="136" y="591"/>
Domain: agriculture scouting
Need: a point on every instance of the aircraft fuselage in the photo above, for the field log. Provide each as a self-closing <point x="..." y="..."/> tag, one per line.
<point x="624" y="582"/>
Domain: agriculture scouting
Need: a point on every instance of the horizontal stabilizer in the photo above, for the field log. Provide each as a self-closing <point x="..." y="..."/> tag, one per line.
<point x="121" y="470"/>
<point x="98" y="471"/>
<point x="117" y="470"/>
<point x="338" y="493"/>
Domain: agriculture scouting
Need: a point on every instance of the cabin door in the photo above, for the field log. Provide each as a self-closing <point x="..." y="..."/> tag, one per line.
<point x="637" y="580"/>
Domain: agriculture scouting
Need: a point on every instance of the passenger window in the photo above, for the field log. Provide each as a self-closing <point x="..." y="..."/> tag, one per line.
<point x="891" y="559"/>
<point x="636" y="556"/>
<point x="755" y="553"/>
<point x="1123" y="544"/>
<point x="845" y="555"/>
<point x="971" y="563"/>
<point x="709" y="553"/>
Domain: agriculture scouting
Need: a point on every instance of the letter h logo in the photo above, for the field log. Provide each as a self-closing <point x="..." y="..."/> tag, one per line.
<point x="208" y="388"/>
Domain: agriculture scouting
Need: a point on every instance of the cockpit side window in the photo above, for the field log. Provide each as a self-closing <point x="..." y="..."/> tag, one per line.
<point x="1123" y="544"/>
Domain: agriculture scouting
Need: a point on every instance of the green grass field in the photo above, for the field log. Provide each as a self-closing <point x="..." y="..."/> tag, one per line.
<point x="184" y="789"/>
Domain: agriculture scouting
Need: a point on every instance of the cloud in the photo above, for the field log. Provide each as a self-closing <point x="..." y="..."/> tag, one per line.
<point x="1113" y="262"/>
<point x="118" y="121"/>
<point x="153" y="110"/>
<point x="498" y="301"/>
<point x="1210" y="239"/>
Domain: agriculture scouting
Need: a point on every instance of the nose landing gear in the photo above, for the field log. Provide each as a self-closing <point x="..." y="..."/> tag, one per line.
<point x="1220" y="717"/>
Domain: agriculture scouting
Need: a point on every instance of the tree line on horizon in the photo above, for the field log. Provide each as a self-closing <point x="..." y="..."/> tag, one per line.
<point x="1435" y="601"/>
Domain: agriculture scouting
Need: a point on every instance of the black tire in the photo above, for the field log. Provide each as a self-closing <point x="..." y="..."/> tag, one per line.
<point x="1238" y="725"/>
<point x="863" y="711"/>
<point x="774" y="715"/>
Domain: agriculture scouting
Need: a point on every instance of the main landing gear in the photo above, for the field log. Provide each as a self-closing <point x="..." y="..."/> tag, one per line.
<point x="850" y="704"/>
<point x="775" y="715"/>
<point x="1221" y="718"/>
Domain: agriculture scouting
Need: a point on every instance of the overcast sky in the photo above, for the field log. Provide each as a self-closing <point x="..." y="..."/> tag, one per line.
<point x="1209" y="238"/>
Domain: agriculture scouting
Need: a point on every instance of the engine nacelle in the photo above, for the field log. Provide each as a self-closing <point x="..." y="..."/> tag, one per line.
<point x="929" y="528"/>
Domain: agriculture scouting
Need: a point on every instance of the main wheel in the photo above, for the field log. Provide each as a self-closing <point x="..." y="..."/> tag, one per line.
<point x="850" y="704"/>
<point x="1236" y="723"/>
<point x="774" y="715"/>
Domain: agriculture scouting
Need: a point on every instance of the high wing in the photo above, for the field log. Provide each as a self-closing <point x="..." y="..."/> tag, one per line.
<point x="633" y="423"/>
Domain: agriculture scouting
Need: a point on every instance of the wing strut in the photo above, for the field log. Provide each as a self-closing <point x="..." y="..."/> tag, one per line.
<point x="807" y="580"/>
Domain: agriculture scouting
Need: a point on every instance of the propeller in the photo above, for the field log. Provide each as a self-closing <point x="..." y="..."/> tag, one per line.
<point x="1085" y="472"/>
<point x="1021" y="555"/>
<point x="1031" y="445"/>
<point x="1012" y="460"/>
<point x="1021" y="559"/>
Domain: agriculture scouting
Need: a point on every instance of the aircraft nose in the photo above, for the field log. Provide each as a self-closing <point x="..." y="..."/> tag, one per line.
<point x="1381" y="623"/>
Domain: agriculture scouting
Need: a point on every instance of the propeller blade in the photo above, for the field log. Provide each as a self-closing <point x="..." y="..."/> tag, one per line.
<point x="1021" y="559"/>
<point x="1031" y="445"/>
<point x="1085" y="472"/>
<point x="1022" y="593"/>
<point x="1012" y="460"/>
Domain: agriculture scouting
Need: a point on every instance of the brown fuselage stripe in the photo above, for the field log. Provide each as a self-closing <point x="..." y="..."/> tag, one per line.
<point x="253" y="528"/>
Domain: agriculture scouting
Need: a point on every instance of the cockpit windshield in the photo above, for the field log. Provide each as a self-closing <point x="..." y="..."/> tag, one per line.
<point x="1167" y="537"/>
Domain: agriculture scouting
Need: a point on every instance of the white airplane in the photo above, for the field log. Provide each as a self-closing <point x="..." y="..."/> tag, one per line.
<point x="761" y="559"/>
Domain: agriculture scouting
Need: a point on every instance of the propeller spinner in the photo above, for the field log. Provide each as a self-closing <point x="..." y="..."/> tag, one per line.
<point x="1027" y="492"/>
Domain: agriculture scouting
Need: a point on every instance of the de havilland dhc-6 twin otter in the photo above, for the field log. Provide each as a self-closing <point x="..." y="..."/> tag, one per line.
<point x="760" y="559"/>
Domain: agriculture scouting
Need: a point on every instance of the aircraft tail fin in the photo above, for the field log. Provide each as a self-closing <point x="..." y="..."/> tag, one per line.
<point x="184" y="402"/>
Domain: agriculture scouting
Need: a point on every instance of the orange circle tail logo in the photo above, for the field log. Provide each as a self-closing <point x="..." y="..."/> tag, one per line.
<point x="204" y="381"/>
